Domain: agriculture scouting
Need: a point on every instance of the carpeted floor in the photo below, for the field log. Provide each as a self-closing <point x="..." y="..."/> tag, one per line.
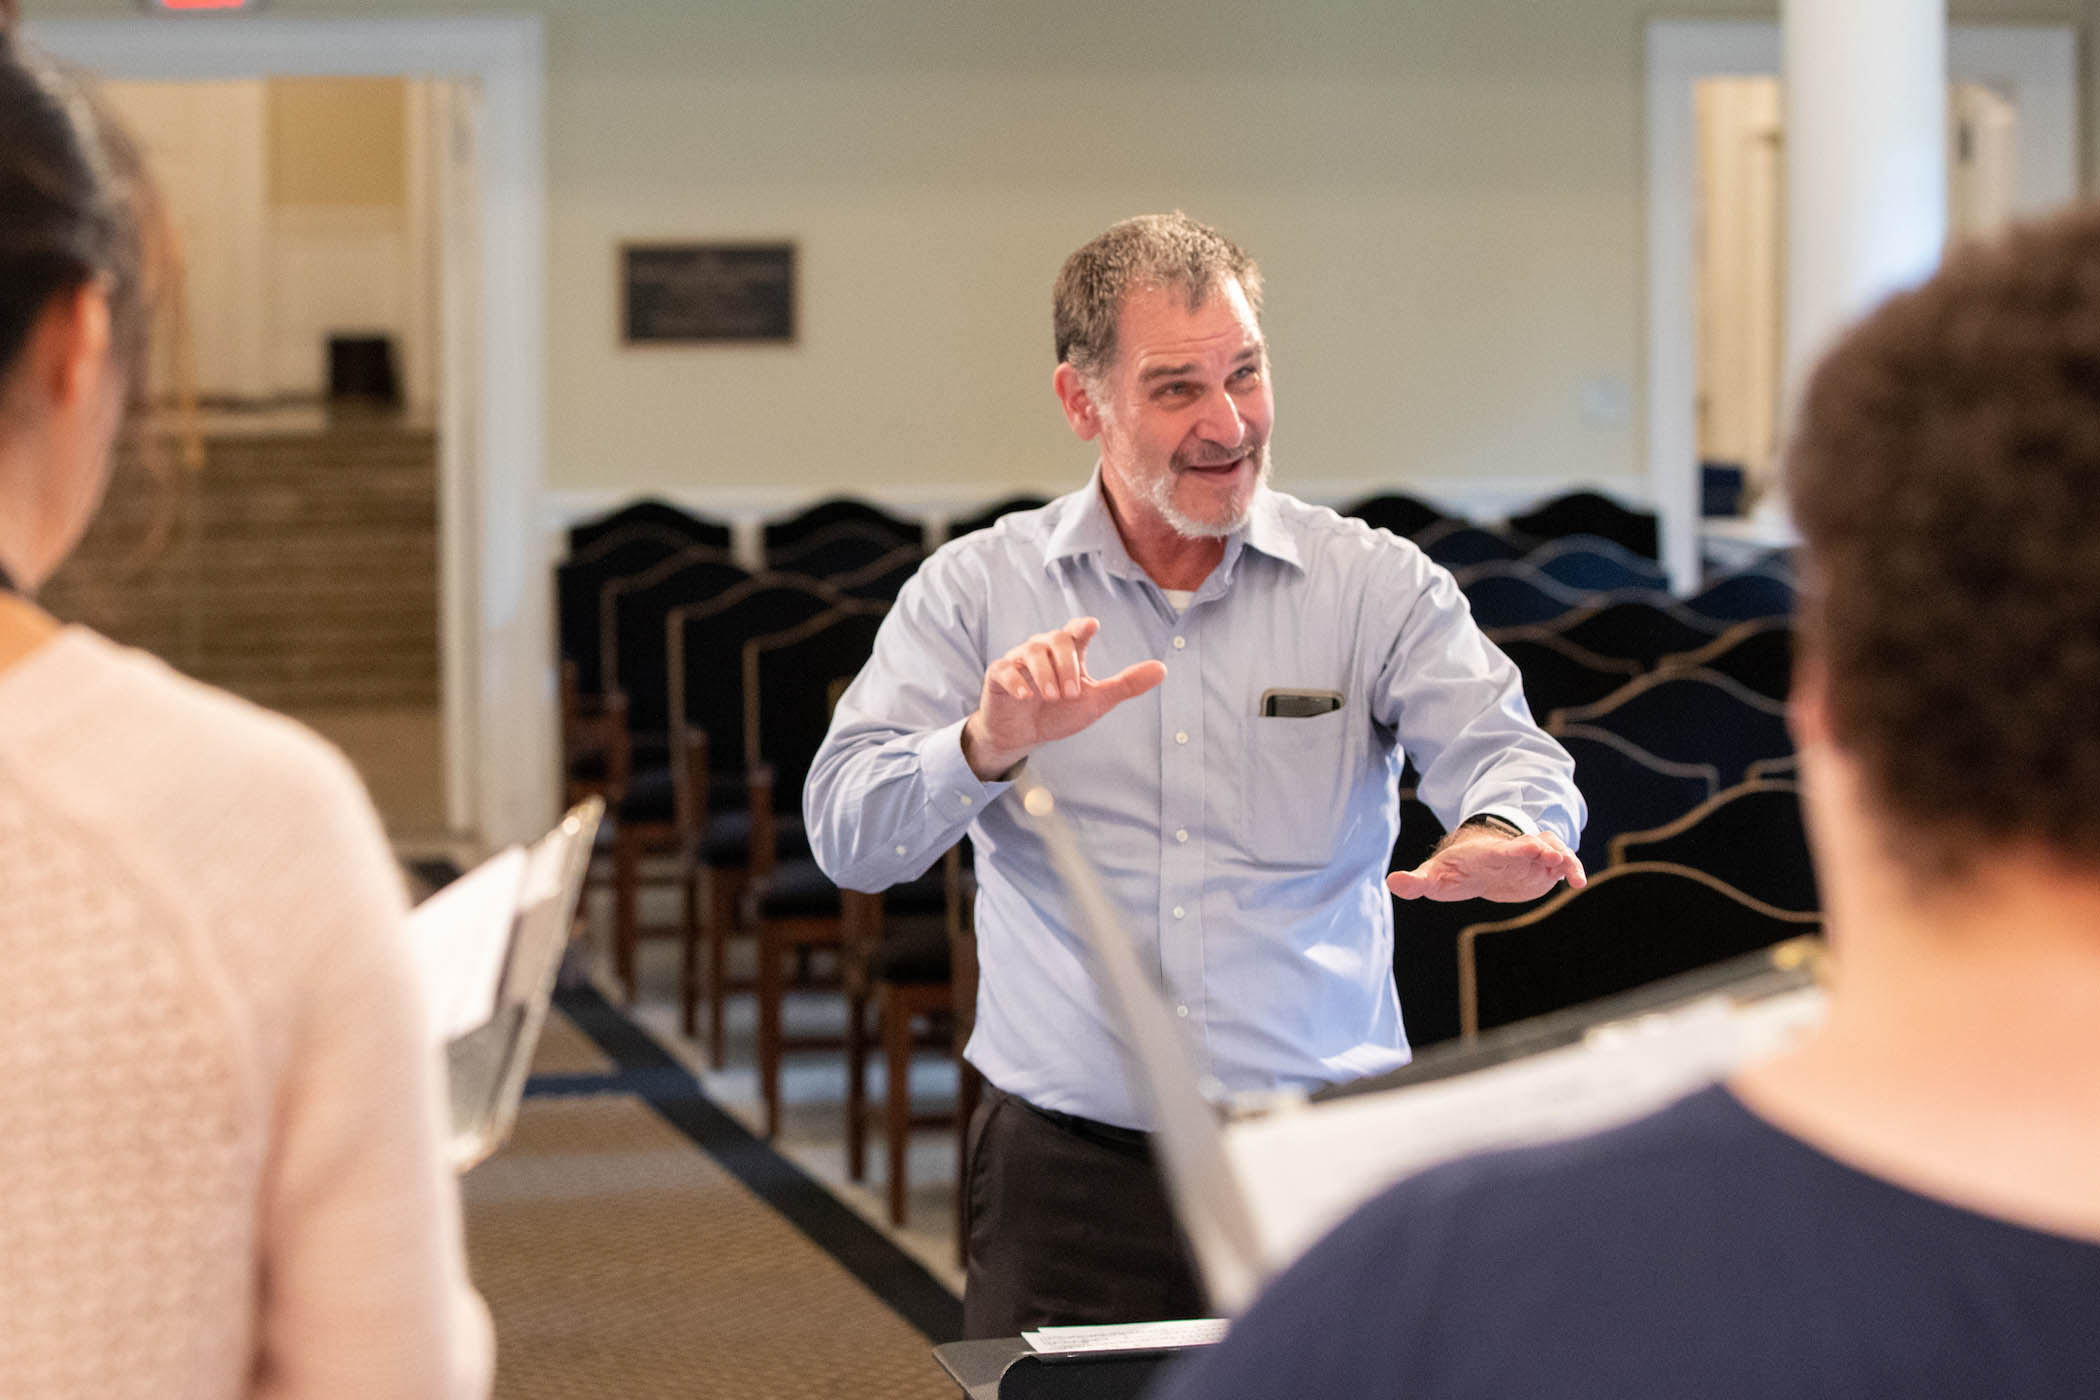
<point x="633" y="1241"/>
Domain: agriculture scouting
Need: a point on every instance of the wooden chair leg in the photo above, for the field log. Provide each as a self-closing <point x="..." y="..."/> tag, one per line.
<point x="896" y="1018"/>
<point x="857" y="1087"/>
<point x="627" y="880"/>
<point x="689" y="956"/>
<point x="721" y="918"/>
<point x="770" y="952"/>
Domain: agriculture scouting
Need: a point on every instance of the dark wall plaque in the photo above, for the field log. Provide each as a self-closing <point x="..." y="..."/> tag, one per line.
<point x="676" y="293"/>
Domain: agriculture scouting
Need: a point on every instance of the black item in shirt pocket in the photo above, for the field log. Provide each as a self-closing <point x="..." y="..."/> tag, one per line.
<point x="1295" y="790"/>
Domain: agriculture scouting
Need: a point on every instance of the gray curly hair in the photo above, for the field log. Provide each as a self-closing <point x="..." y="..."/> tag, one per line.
<point x="1152" y="250"/>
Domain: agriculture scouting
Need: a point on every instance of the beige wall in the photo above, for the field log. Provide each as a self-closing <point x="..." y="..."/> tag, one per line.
<point x="1445" y="195"/>
<point x="335" y="141"/>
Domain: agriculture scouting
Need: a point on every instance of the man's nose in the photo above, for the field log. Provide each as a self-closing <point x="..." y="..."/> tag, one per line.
<point x="1220" y="421"/>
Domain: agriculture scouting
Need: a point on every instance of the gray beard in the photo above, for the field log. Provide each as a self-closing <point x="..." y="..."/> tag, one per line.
<point x="1188" y="527"/>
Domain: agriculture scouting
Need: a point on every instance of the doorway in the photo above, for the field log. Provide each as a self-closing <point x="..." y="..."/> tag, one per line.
<point x="271" y="526"/>
<point x="1740" y="292"/>
<point x="2022" y="79"/>
<point x="495" y="682"/>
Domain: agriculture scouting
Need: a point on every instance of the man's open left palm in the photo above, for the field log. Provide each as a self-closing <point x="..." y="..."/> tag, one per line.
<point x="1480" y="864"/>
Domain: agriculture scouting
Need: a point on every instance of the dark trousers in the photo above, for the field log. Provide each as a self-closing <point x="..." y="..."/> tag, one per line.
<point x="1067" y="1222"/>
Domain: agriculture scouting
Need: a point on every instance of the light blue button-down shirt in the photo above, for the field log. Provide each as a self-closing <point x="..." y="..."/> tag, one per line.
<point x="1246" y="852"/>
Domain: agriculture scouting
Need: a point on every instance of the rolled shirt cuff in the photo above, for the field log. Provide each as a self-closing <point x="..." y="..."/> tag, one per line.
<point x="954" y="791"/>
<point x="1515" y="816"/>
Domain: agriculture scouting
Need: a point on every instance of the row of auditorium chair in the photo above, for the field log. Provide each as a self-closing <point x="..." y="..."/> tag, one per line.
<point x="1674" y="711"/>
<point x="695" y="693"/>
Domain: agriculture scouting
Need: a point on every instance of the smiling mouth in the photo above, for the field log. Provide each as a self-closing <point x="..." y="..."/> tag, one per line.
<point x="1215" y="468"/>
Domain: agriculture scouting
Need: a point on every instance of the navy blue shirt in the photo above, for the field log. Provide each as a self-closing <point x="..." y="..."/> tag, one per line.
<point x="1697" y="1252"/>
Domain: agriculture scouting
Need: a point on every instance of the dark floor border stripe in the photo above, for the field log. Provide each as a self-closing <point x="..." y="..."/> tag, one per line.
<point x="648" y="1070"/>
<point x="654" y="1081"/>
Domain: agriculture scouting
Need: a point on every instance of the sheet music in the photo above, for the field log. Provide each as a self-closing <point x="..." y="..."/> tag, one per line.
<point x="1126" y="1336"/>
<point x="459" y="937"/>
<point x="1305" y="1169"/>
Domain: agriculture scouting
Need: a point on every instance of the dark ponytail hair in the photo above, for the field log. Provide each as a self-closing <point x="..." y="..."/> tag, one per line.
<point x="75" y="205"/>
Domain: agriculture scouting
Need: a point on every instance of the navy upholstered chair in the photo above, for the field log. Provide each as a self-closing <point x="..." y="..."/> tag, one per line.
<point x="1690" y="717"/>
<point x="1398" y="512"/>
<point x="1632" y="925"/>
<point x="1592" y="513"/>
<point x="1639" y="626"/>
<point x="1758" y="654"/>
<point x="1750" y="837"/>
<point x="1627" y="788"/>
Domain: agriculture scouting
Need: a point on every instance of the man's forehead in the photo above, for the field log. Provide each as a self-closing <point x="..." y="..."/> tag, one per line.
<point x="1158" y="322"/>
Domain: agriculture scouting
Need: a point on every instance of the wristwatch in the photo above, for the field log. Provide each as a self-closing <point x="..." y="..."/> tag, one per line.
<point x="1494" y="823"/>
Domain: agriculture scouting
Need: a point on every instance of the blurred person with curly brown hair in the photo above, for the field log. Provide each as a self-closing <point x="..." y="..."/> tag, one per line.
<point x="1907" y="1202"/>
<point x="220" y="1107"/>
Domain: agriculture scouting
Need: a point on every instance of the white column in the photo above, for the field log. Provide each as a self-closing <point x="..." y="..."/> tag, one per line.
<point x="1866" y="155"/>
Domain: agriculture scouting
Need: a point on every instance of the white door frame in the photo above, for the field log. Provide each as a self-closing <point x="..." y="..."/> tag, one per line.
<point x="495" y="621"/>
<point x="2034" y="66"/>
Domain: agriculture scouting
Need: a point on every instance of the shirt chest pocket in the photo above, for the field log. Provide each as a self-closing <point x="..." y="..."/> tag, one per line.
<point x="1296" y="786"/>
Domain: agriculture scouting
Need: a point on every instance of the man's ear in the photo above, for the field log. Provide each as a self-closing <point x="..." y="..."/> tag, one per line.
<point x="1077" y="401"/>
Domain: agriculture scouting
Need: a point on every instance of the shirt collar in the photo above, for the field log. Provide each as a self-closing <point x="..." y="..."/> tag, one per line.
<point x="1088" y="528"/>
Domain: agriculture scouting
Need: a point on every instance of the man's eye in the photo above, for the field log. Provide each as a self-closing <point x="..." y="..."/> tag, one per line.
<point x="1247" y="374"/>
<point x="1176" y="390"/>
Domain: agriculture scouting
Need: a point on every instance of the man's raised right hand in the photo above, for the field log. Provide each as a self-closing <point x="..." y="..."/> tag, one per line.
<point x="1041" y="691"/>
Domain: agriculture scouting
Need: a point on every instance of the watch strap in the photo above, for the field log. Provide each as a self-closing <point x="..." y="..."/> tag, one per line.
<point x="1494" y="823"/>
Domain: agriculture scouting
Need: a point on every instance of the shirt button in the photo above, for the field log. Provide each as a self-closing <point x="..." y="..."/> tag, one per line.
<point x="903" y="850"/>
<point x="1181" y="643"/>
<point x="1181" y="835"/>
<point x="1182" y="1012"/>
<point x="1179" y="911"/>
<point x="966" y="799"/>
<point x="1181" y="736"/>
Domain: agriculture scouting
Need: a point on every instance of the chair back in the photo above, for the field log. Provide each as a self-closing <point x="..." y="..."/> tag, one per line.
<point x="706" y="645"/>
<point x="1742" y="597"/>
<point x="1690" y="717"/>
<point x="1510" y="593"/>
<point x="840" y="551"/>
<point x="1758" y="655"/>
<point x="1402" y="514"/>
<point x="1591" y="513"/>
<point x="1627" y="788"/>
<point x="1594" y="564"/>
<point x="579" y="585"/>
<point x="882" y="578"/>
<point x="792" y="681"/>
<point x="1557" y="674"/>
<point x="1637" y="626"/>
<point x="989" y="516"/>
<point x="632" y="612"/>
<point x="1458" y="543"/>
<point x="1749" y="837"/>
<point x="782" y="539"/>
<point x="1632" y="925"/>
<point x="1774" y="770"/>
<point x="697" y="531"/>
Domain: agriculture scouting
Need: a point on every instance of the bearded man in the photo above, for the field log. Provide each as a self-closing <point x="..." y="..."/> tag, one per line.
<point x="1220" y="683"/>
